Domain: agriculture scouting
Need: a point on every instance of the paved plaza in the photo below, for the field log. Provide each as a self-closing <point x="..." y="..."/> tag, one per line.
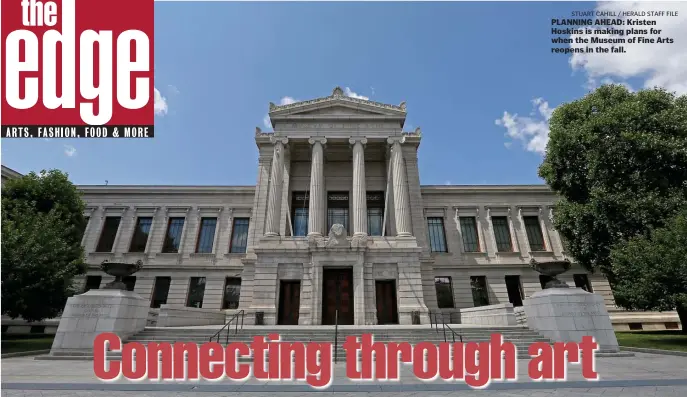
<point x="643" y="375"/>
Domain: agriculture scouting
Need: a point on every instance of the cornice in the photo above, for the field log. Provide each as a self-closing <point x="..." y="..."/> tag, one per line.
<point x="164" y="189"/>
<point x="492" y="189"/>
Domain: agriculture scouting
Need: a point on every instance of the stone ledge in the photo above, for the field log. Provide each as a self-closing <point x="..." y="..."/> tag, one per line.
<point x="26" y="353"/>
<point x="654" y="351"/>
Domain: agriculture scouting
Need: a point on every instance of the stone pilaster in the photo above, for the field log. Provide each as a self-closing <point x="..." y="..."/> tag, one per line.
<point x="276" y="182"/>
<point x="119" y="229"/>
<point x="359" y="189"/>
<point x="90" y="211"/>
<point x="316" y="218"/>
<point x="359" y="293"/>
<point x="401" y="210"/>
<point x="153" y="224"/>
<point x="125" y="240"/>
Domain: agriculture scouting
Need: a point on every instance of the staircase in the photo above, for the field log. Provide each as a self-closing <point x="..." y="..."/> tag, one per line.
<point x="520" y="336"/>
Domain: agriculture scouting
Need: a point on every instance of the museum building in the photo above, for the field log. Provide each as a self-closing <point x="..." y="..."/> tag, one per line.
<point x="337" y="229"/>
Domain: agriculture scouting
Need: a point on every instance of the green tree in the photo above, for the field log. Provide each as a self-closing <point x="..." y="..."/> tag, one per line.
<point x="652" y="270"/>
<point x="618" y="161"/>
<point x="42" y="227"/>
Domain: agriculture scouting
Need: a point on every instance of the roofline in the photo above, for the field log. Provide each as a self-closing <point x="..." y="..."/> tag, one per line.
<point x="10" y="173"/>
<point x="249" y="189"/>
<point x="485" y="188"/>
<point x="161" y="189"/>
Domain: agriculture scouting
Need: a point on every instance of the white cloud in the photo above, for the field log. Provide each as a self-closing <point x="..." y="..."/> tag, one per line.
<point x="348" y="92"/>
<point x="447" y="183"/>
<point x="654" y="64"/>
<point x="532" y="131"/>
<point x="657" y="64"/>
<point x="266" y="121"/>
<point x="160" y="104"/>
<point x="69" y="150"/>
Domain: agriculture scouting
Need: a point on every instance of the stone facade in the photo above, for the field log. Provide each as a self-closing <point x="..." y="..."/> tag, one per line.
<point x="323" y="150"/>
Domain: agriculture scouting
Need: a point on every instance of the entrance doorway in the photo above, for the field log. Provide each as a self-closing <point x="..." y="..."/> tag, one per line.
<point x="289" y="302"/>
<point x="337" y="295"/>
<point x="387" y="309"/>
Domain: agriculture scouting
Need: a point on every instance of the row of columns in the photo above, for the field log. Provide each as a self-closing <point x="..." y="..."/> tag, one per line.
<point x="318" y="195"/>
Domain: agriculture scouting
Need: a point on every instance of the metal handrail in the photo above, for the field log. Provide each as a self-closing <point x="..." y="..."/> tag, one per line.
<point x="434" y="318"/>
<point x="336" y="335"/>
<point x="453" y="333"/>
<point x="433" y="321"/>
<point x="236" y="330"/>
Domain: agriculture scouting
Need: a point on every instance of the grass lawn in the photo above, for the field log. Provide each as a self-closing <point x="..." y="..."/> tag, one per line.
<point x="665" y="340"/>
<point x="12" y="344"/>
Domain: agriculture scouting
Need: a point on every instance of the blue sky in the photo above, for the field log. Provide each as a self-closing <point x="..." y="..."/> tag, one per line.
<point x="459" y="67"/>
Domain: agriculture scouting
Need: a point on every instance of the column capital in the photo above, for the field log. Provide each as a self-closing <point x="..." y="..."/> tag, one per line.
<point x="396" y="139"/>
<point x="353" y="140"/>
<point x="316" y="139"/>
<point x="283" y="140"/>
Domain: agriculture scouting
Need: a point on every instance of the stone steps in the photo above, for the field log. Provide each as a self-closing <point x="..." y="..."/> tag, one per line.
<point x="521" y="337"/>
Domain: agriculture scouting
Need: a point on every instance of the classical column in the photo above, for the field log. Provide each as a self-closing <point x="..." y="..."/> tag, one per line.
<point x="276" y="182"/>
<point x="316" y="219"/>
<point x="401" y="209"/>
<point x="359" y="191"/>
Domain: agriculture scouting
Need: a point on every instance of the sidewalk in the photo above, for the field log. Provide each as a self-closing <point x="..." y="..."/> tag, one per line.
<point x="642" y="375"/>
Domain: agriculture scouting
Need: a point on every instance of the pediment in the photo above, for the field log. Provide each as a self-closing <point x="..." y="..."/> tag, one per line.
<point x="337" y="105"/>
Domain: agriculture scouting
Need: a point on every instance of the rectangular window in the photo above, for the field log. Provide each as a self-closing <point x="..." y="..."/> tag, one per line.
<point x="173" y="237"/>
<point x="437" y="238"/>
<point x="239" y="236"/>
<point x="534" y="233"/>
<point x="107" y="236"/>
<point x="444" y="289"/>
<point x="375" y="213"/>
<point x="514" y="289"/>
<point x="300" y="205"/>
<point x="160" y="291"/>
<point x="130" y="282"/>
<point x="92" y="282"/>
<point x="480" y="294"/>
<point x="468" y="229"/>
<point x="502" y="234"/>
<point x="582" y="281"/>
<point x="232" y="293"/>
<point x="140" y="238"/>
<point x="206" y="235"/>
<point x="196" y="291"/>
<point x="337" y="209"/>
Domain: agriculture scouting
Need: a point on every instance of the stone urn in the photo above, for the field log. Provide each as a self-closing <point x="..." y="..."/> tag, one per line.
<point x="552" y="269"/>
<point x="119" y="270"/>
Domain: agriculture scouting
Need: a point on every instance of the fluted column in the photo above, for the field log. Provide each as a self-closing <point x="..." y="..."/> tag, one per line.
<point x="401" y="209"/>
<point x="276" y="183"/>
<point x="359" y="190"/>
<point x="317" y="194"/>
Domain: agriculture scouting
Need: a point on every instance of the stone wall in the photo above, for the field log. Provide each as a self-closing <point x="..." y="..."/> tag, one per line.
<point x="489" y="316"/>
<point x="175" y="316"/>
